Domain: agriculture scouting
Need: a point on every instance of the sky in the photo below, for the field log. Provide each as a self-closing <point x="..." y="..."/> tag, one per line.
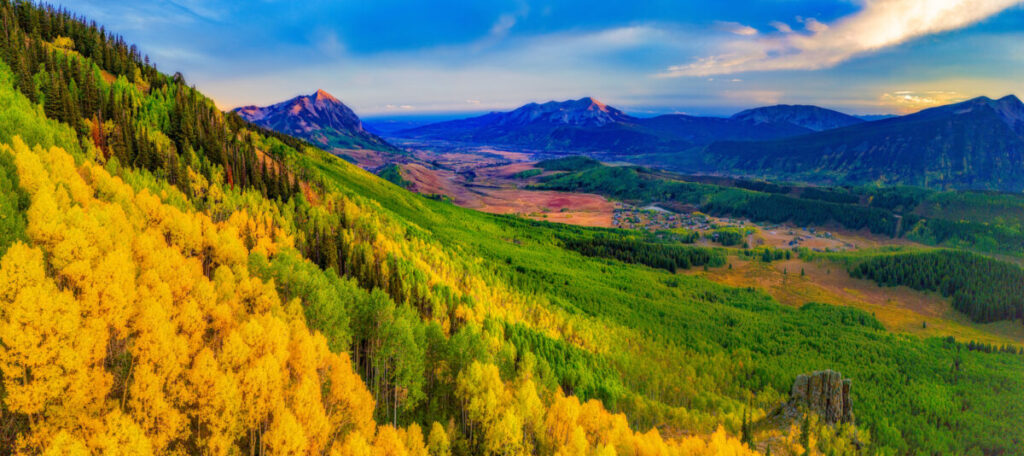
<point x="646" y="57"/>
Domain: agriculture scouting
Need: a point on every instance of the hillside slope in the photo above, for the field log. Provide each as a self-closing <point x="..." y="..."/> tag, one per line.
<point x="976" y="144"/>
<point x="182" y="281"/>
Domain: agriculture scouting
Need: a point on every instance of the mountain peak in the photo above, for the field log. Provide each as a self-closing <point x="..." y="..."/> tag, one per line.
<point x="318" y="117"/>
<point x="585" y="111"/>
<point x="805" y="116"/>
<point x="592" y="102"/>
<point x="322" y="95"/>
<point x="1009" y="108"/>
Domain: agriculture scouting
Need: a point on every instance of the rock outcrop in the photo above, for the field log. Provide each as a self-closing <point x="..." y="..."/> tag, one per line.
<point x="824" y="392"/>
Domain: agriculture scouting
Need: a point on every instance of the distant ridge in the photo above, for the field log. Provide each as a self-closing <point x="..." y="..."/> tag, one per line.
<point x="809" y="117"/>
<point x="588" y="125"/>
<point x="320" y="118"/>
<point x="975" y="144"/>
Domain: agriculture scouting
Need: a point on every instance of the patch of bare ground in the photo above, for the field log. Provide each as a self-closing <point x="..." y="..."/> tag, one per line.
<point x="498" y="197"/>
<point x="366" y="158"/>
<point x="503" y="171"/>
<point x="899" y="309"/>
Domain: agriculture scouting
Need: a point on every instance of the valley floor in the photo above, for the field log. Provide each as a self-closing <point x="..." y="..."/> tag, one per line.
<point x="489" y="180"/>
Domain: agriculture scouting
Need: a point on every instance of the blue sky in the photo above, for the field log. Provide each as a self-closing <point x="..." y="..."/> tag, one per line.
<point x="390" y="57"/>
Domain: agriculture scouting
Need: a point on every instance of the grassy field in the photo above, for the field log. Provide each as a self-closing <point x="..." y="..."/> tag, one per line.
<point x="899" y="309"/>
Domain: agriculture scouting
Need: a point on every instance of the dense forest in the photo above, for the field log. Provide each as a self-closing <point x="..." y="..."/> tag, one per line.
<point x="983" y="288"/>
<point x="669" y="257"/>
<point x="175" y="280"/>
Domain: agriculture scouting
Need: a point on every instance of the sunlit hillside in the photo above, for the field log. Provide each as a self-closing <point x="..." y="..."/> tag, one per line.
<point x="177" y="280"/>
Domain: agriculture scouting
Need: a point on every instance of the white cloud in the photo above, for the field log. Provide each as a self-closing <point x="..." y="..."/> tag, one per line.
<point x="879" y="24"/>
<point x="736" y="28"/>
<point x="910" y="101"/>
<point x="781" y="26"/>
<point x="813" y="25"/>
<point x="504" y="23"/>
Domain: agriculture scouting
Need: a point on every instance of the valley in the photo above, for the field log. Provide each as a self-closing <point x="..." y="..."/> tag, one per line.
<point x="180" y="278"/>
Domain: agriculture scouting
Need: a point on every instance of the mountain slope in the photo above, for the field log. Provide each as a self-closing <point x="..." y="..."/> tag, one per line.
<point x="183" y="282"/>
<point x="976" y="144"/>
<point x="587" y="125"/>
<point x="803" y="116"/>
<point x="320" y="118"/>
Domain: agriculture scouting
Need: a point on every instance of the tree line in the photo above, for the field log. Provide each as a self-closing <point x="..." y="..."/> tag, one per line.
<point x="669" y="257"/>
<point x="983" y="288"/>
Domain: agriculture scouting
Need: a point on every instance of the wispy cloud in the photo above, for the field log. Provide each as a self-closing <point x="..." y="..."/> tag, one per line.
<point x="878" y="25"/>
<point x="910" y="101"/>
<point x="736" y="28"/>
<point x="781" y="26"/>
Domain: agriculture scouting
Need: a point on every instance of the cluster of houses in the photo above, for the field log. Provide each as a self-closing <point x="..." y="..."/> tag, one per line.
<point x="654" y="218"/>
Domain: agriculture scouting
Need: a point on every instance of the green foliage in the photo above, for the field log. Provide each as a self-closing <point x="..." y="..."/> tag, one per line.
<point x="578" y="372"/>
<point x="571" y="163"/>
<point x="778" y="209"/>
<point x="671" y="351"/>
<point x="849" y="316"/>
<point x="328" y="300"/>
<point x="528" y="173"/>
<point x="729" y="236"/>
<point x="762" y="186"/>
<point x="656" y="255"/>
<point x="13" y="203"/>
<point x="393" y="173"/>
<point x="766" y="254"/>
<point x="831" y="196"/>
<point x="983" y="288"/>
<point x="985" y="237"/>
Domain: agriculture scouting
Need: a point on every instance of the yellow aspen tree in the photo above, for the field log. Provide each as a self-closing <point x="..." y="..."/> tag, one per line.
<point x="560" y="421"/>
<point x="577" y="444"/>
<point x="437" y="441"/>
<point x="65" y="444"/>
<point x="349" y="404"/>
<point x="285" y="436"/>
<point x="309" y="413"/>
<point x="44" y="376"/>
<point x="412" y="437"/>
<point x="388" y="442"/>
<point x="531" y="409"/>
<point x="355" y="445"/>
<point x="505" y="436"/>
<point x="123" y="437"/>
<point x="216" y="404"/>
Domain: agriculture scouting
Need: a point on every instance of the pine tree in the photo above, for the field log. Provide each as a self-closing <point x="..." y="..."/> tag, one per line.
<point x="53" y="104"/>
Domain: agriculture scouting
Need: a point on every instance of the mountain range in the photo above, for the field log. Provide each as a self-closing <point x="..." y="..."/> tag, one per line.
<point x="976" y="144"/>
<point x="319" y="118"/>
<point x="587" y="125"/>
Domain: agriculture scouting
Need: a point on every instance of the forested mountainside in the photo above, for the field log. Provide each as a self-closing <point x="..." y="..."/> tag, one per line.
<point x="177" y="280"/>
<point x="976" y="144"/>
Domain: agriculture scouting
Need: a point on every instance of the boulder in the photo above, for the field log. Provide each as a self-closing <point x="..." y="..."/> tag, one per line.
<point x="824" y="392"/>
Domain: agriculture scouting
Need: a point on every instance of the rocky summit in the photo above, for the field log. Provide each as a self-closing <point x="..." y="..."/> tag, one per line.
<point x="320" y="118"/>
